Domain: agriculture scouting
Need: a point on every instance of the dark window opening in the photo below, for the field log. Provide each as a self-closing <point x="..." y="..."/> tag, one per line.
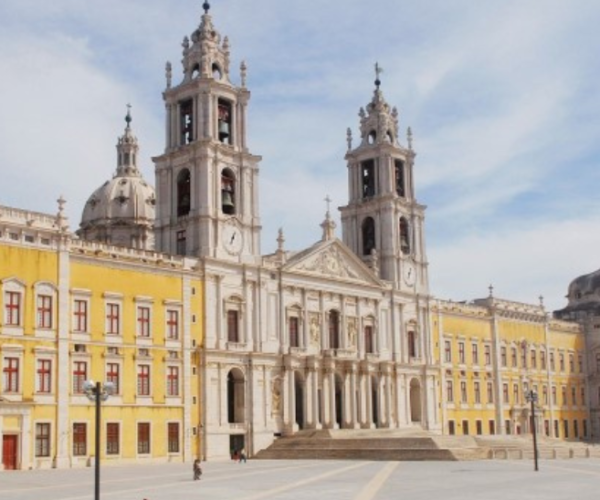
<point x="334" y="330"/>
<point x="183" y="193"/>
<point x="404" y="236"/>
<point x="368" y="235"/>
<point x="181" y="243"/>
<point x="372" y="137"/>
<point x="186" y="116"/>
<point x="399" y="171"/>
<point x="196" y="71"/>
<point x="368" y="178"/>
<point x="232" y="326"/>
<point x="216" y="71"/>
<point x="227" y="192"/>
<point x="294" y="337"/>
<point x="389" y="137"/>
<point x="412" y="345"/>
<point x="225" y="115"/>
<point x="369" y="339"/>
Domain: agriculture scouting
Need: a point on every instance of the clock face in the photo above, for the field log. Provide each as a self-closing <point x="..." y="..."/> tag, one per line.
<point x="410" y="274"/>
<point x="232" y="239"/>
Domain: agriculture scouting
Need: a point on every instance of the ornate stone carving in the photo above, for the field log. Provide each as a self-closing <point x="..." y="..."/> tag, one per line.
<point x="352" y="332"/>
<point x="330" y="262"/>
<point x="276" y="396"/>
<point x="315" y="327"/>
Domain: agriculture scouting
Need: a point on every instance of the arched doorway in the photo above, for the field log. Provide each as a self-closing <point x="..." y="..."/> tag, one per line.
<point x="415" y="400"/>
<point x="374" y="402"/>
<point x="299" y="390"/>
<point x="236" y="395"/>
<point x="339" y="400"/>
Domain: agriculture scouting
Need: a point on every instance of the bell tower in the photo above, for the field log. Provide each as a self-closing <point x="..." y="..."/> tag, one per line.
<point x="207" y="180"/>
<point x="382" y="222"/>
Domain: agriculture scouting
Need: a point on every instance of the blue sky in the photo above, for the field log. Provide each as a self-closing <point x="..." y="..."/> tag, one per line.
<point x="501" y="95"/>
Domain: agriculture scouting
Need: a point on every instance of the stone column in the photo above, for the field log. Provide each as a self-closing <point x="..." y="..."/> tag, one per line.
<point x="325" y="398"/>
<point x="369" y="424"/>
<point x="387" y="396"/>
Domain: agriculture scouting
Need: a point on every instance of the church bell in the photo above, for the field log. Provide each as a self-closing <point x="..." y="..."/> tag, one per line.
<point x="223" y="130"/>
<point x="227" y="202"/>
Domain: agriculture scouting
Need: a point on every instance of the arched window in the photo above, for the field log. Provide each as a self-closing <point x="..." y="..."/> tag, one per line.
<point x="227" y="192"/>
<point x="372" y="137"/>
<point x="334" y="330"/>
<point x="225" y="121"/>
<point x="183" y="193"/>
<point x="404" y="236"/>
<point x="216" y="71"/>
<point x="368" y="235"/>
<point x="399" y="174"/>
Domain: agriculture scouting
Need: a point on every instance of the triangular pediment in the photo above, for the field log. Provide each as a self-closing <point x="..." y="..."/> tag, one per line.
<point x="332" y="259"/>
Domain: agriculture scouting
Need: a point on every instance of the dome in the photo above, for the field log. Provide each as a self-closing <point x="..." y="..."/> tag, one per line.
<point x="583" y="296"/>
<point x="122" y="210"/>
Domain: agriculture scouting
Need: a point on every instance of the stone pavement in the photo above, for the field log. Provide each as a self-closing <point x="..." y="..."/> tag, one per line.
<point x="311" y="480"/>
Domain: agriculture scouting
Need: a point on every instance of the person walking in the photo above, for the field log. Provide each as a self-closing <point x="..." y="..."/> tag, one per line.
<point x="243" y="455"/>
<point x="197" y="470"/>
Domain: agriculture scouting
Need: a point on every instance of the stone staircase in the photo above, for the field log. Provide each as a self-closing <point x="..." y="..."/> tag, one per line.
<point x="418" y="445"/>
<point x="390" y="445"/>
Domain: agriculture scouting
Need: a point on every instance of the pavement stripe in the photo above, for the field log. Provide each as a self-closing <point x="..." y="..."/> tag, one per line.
<point x="371" y="489"/>
<point x="297" y="484"/>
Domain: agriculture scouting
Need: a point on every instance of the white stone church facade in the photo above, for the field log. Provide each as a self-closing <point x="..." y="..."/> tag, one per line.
<point x="334" y="336"/>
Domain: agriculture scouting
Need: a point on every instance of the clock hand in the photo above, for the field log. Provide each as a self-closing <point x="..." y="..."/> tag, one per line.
<point x="232" y="238"/>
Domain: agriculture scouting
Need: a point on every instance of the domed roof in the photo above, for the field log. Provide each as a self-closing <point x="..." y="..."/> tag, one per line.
<point x="122" y="210"/>
<point x="583" y="296"/>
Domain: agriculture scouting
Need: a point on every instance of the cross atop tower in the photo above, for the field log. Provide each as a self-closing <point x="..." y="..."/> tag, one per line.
<point x="378" y="71"/>
<point x="328" y="200"/>
<point x="206" y="7"/>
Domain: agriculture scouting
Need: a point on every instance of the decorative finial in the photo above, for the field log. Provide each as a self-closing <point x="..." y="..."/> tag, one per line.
<point x="328" y="224"/>
<point x="61" y="218"/>
<point x="206" y="7"/>
<point x="378" y="71"/>
<point x="409" y="138"/>
<point x="328" y="201"/>
<point x="491" y="289"/>
<point x="168" y="74"/>
<point x="541" y="297"/>
<point x="280" y="240"/>
<point x="349" y="138"/>
<point x="243" y="73"/>
<point x="128" y="118"/>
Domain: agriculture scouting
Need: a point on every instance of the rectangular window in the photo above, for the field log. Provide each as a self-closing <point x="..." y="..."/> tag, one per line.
<point x="503" y="356"/>
<point x="556" y="433"/>
<point x="524" y="355"/>
<point x="12" y="308"/>
<point x="465" y="426"/>
<point x="475" y="353"/>
<point x="505" y="392"/>
<point x="112" y="438"/>
<point x="463" y="392"/>
<point x="490" y="393"/>
<point x="369" y="339"/>
<point x="580" y="362"/>
<point x="492" y="427"/>
<point x="44" y="376"/>
<point x="143" y="321"/>
<point x="488" y="355"/>
<point x="172" y="381"/>
<point x="80" y="315"/>
<point x="44" y="311"/>
<point x="79" y="440"/>
<point x="554" y="397"/>
<point x="232" y="326"/>
<point x="515" y="394"/>
<point x="533" y="360"/>
<point x="477" y="392"/>
<point x="561" y="361"/>
<point x="571" y="363"/>
<point x="186" y="118"/>
<point x="143" y="380"/>
<point x="181" y="235"/>
<point x="172" y="324"/>
<point x="79" y="376"/>
<point x="574" y="396"/>
<point x="42" y="440"/>
<point x="563" y="391"/>
<point x="552" y="366"/>
<point x="545" y="394"/>
<point x="449" y="391"/>
<point x="412" y="344"/>
<point x="448" y="351"/>
<point x="543" y="360"/>
<point x="113" y="313"/>
<point x="566" y="428"/>
<point x="293" y="332"/>
<point x="368" y="178"/>
<point x="173" y="437"/>
<point x="113" y="376"/>
<point x="11" y="375"/>
<point x="451" y="428"/>
<point x="143" y="436"/>
<point x="513" y="356"/>
<point x="461" y="353"/>
<point x="479" y="427"/>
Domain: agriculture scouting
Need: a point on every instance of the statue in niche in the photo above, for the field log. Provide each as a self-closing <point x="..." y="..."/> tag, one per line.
<point x="314" y="330"/>
<point x="352" y="332"/>
<point x="276" y="396"/>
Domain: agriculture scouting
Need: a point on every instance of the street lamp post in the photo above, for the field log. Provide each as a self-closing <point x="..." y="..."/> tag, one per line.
<point x="97" y="392"/>
<point x="532" y="398"/>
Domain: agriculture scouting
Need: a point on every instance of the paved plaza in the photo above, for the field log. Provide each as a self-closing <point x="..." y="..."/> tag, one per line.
<point x="311" y="480"/>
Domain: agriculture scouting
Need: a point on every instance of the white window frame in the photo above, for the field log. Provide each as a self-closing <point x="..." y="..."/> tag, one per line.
<point x="16" y="286"/>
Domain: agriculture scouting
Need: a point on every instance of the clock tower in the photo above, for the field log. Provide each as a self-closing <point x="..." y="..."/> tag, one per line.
<point x="207" y="180"/>
<point x="383" y="223"/>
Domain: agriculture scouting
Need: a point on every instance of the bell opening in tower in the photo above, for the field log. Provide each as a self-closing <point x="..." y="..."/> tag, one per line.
<point x="227" y="192"/>
<point x="368" y="235"/>
<point x="368" y="178"/>
<point x="186" y="114"/>
<point x="225" y="121"/>
<point x="404" y="236"/>
<point x="183" y="193"/>
<point x="399" y="171"/>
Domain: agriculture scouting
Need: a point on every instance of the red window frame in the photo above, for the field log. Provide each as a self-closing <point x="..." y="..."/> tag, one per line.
<point x="44" y="311"/>
<point x="80" y="313"/>
<point x="113" y="313"/>
<point x="12" y="307"/>
<point x="79" y="376"/>
<point x="448" y="351"/>
<point x="113" y="375"/>
<point x="44" y="374"/>
<point x="143" y="320"/>
<point x="79" y="439"/>
<point x="172" y="381"/>
<point x="173" y="437"/>
<point x="172" y="324"/>
<point x="143" y="380"/>
<point x="112" y="438"/>
<point x="143" y="435"/>
<point x="11" y="374"/>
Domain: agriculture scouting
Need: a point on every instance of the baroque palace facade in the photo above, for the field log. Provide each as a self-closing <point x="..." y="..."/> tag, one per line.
<point x="215" y="347"/>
